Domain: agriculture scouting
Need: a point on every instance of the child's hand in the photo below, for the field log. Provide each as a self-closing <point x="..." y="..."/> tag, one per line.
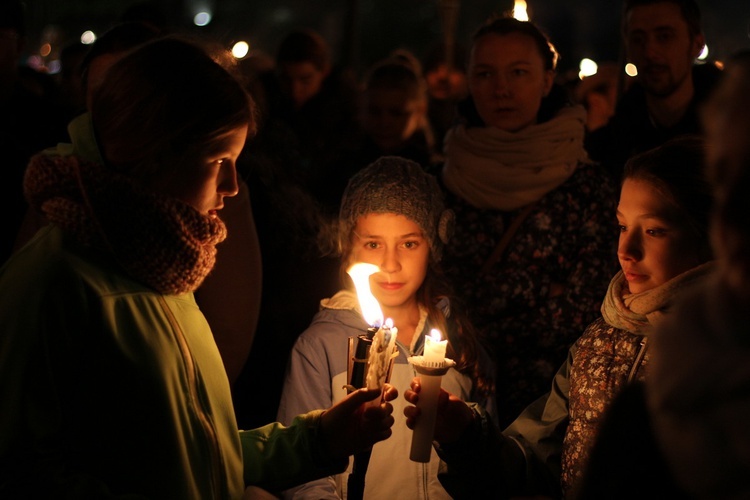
<point x="453" y="415"/>
<point x="350" y="426"/>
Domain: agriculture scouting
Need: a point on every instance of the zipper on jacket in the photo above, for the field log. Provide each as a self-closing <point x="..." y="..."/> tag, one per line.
<point x="638" y="359"/>
<point x="213" y="444"/>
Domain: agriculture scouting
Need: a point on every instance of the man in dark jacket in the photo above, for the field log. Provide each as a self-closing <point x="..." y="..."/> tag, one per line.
<point x="662" y="39"/>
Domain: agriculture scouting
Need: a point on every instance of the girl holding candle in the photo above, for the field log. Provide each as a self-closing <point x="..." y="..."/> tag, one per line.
<point x="663" y="251"/>
<point x="392" y="216"/>
<point x="110" y="380"/>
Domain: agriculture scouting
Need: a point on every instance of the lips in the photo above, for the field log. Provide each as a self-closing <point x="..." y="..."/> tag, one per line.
<point x="631" y="276"/>
<point x="390" y="286"/>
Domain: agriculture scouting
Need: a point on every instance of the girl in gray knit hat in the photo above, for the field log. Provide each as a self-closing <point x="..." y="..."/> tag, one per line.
<point x="392" y="215"/>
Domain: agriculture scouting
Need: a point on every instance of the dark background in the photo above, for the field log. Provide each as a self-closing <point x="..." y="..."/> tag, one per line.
<point x="362" y="31"/>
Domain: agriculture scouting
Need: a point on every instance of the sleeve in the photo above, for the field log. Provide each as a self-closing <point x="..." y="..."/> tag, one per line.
<point x="523" y="460"/>
<point x="483" y="463"/>
<point x="276" y="457"/>
<point x="307" y="386"/>
<point x="540" y="430"/>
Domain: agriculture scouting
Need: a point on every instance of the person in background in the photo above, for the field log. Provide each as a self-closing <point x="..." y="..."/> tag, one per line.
<point x="535" y="233"/>
<point x="71" y="94"/>
<point x="664" y="252"/>
<point x="688" y="420"/>
<point x="110" y="378"/>
<point x="30" y="120"/>
<point x="662" y="38"/>
<point x="392" y="216"/>
<point x="598" y="95"/>
<point x="314" y="104"/>
<point x="445" y="73"/>
<point x="393" y="117"/>
<point x="394" y="111"/>
<point x="297" y="149"/>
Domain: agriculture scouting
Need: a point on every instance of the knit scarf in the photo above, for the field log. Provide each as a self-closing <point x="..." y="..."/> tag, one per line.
<point x="159" y="241"/>
<point x="638" y="312"/>
<point x="493" y="168"/>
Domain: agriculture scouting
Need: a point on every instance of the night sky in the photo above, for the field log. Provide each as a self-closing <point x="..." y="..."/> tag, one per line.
<point x="579" y="28"/>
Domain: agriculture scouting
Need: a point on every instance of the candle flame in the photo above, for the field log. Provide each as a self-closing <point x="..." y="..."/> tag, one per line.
<point x="435" y="334"/>
<point x="360" y="274"/>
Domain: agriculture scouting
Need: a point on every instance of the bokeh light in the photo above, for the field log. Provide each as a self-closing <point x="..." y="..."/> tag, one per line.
<point x="240" y="49"/>
<point x="202" y="18"/>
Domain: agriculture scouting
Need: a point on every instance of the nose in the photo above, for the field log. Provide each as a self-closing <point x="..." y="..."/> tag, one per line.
<point x="630" y="247"/>
<point x="299" y="93"/>
<point x="391" y="262"/>
<point x="228" y="185"/>
<point x="651" y="49"/>
<point x="501" y="86"/>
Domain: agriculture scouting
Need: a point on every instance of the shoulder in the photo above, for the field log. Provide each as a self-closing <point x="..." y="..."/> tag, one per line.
<point x="331" y="326"/>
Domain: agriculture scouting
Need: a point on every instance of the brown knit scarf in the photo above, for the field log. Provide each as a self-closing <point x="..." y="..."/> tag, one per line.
<point x="159" y="241"/>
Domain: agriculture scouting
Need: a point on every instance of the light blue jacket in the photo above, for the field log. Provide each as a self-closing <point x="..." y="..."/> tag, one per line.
<point x="316" y="375"/>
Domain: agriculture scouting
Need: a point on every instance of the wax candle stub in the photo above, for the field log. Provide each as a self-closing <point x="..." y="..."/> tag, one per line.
<point x="434" y="348"/>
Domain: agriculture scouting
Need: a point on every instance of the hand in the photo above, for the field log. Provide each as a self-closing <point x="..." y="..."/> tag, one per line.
<point x="453" y="414"/>
<point x="351" y="426"/>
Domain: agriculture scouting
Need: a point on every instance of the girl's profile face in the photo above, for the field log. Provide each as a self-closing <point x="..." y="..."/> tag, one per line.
<point x="655" y="243"/>
<point x="507" y="80"/>
<point x="397" y="246"/>
<point x="203" y="180"/>
<point x="391" y="117"/>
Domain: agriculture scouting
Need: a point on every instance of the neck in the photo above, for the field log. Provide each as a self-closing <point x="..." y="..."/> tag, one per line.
<point x="405" y="317"/>
<point x="666" y="111"/>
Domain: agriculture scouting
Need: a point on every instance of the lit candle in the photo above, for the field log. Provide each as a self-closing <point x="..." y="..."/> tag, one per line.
<point x="434" y="348"/>
<point x="383" y="348"/>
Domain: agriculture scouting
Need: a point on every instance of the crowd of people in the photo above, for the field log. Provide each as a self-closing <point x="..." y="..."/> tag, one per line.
<point x="174" y="302"/>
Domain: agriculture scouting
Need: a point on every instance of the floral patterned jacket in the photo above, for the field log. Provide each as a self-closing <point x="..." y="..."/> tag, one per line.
<point x="544" y="451"/>
<point x="547" y="287"/>
<point x="606" y="360"/>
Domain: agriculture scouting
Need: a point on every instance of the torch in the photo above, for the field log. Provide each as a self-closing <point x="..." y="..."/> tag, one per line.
<point x="370" y="362"/>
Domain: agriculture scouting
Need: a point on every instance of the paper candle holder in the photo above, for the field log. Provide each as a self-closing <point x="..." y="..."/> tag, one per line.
<point x="432" y="368"/>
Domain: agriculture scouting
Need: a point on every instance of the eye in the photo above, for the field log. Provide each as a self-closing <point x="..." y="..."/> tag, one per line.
<point x="622" y="228"/>
<point x="371" y="245"/>
<point x="656" y="232"/>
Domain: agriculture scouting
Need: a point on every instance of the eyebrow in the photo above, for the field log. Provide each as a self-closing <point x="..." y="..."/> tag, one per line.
<point x="401" y="237"/>
<point x="661" y="217"/>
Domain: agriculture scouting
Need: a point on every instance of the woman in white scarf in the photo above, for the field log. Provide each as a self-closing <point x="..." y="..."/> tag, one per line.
<point x="535" y="232"/>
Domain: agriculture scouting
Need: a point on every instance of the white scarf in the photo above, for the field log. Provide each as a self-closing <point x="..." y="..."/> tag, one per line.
<point x="493" y="168"/>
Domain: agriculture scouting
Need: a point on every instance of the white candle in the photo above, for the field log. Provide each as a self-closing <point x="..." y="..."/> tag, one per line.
<point x="434" y="348"/>
<point x="421" y="440"/>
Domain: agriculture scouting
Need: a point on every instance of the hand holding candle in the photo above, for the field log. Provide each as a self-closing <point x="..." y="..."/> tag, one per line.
<point x="431" y="368"/>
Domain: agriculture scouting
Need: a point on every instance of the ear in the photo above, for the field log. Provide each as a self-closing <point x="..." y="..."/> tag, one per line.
<point x="699" y="41"/>
<point x="549" y="80"/>
<point x="326" y="70"/>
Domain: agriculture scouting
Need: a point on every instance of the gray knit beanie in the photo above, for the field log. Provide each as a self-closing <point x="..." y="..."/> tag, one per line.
<point x="392" y="184"/>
